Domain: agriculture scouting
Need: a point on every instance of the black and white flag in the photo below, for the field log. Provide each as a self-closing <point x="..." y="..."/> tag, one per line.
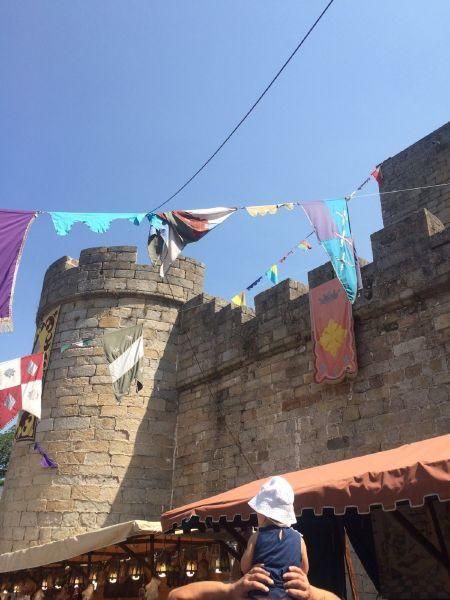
<point x="124" y="351"/>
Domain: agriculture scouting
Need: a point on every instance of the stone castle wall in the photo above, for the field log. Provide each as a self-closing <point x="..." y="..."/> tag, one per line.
<point x="223" y="380"/>
<point x="427" y="162"/>
<point x="252" y="372"/>
<point x="115" y="460"/>
<point x="256" y="371"/>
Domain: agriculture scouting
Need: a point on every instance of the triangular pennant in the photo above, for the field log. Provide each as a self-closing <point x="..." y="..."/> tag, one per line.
<point x="377" y="175"/>
<point x="304" y="245"/>
<point x="272" y="274"/>
<point x="239" y="299"/>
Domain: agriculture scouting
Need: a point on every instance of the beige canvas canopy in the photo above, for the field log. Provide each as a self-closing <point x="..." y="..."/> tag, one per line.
<point x="56" y="552"/>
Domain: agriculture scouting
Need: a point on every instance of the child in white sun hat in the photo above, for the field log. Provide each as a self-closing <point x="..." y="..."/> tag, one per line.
<point x="276" y="545"/>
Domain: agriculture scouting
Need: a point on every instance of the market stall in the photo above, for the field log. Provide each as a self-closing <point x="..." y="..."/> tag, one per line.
<point x="114" y="562"/>
<point x="392" y="505"/>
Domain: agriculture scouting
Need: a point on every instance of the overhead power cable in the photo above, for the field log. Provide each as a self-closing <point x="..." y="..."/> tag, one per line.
<point x="250" y="110"/>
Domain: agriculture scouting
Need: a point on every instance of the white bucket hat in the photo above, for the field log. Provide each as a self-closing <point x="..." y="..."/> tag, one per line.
<point x="275" y="500"/>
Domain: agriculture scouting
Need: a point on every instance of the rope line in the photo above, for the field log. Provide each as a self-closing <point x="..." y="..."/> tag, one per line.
<point x="413" y="189"/>
<point x="251" y="109"/>
<point x="299" y="203"/>
<point x="212" y="396"/>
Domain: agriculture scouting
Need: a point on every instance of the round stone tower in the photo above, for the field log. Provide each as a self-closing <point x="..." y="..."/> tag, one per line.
<point x="114" y="459"/>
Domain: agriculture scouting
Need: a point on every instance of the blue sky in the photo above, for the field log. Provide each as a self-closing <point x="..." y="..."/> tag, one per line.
<point x="111" y="105"/>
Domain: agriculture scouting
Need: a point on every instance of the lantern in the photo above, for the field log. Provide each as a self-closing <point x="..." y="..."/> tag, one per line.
<point x="135" y="570"/>
<point x="161" y="567"/>
<point x="191" y="562"/>
<point x="163" y="564"/>
<point x="191" y="567"/>
<point x="221" y="561"/>
<point x="113" y="572"/>
<point x="93" y="580"/>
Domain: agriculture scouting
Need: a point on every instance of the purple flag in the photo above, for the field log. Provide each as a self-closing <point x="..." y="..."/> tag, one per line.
<point x="46" y="462"/>
<point x="14" y="226"/>
<point x="331" y="223"/>
<point x="321" y="219"/>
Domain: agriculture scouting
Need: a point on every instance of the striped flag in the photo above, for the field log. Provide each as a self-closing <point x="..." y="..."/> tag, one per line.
<point x="124" y="349"/>
<point x="84" y="343"/>
<point x="172" y="230"/>
<point x="272" y="274"/>
<point x="304" y="245"/>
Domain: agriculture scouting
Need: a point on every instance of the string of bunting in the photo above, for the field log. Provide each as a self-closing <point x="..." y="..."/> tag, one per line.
<point x="171" y="231"/>
<point x="272" y="274"/>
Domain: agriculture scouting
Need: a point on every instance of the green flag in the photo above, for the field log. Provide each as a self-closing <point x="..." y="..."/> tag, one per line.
<point x="124" y="351"/>
<point x="84" y="343"/>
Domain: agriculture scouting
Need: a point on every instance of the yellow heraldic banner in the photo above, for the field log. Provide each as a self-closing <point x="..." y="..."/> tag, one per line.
<point x="43" y="341"/>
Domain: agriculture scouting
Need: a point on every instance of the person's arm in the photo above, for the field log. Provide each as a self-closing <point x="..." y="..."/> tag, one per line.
<point x="213" y="590"/>
<point x="298" y="586"/>
<point x="255" y="580"/>
<point x="247" y="557"/>
<point x="305" y="561"/>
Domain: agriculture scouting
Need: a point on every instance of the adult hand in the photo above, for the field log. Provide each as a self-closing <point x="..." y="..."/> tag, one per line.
<point x="297" y="584"/>
<point x="257" y="579"/>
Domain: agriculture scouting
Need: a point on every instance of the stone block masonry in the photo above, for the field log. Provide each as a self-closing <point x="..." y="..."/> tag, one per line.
<point x="115" y="460"/>
<point x="256" y="367"/>
<point x="169" y="444"/>
<point x="257" y="373"/>
<point x="427" y="162"/>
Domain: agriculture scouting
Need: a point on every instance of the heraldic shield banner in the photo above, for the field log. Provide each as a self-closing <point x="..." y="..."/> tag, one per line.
<point x="332" y="333"/>
<point x="43" y="341"/>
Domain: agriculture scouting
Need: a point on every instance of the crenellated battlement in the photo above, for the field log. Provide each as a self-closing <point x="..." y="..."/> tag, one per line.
<point x="425" y="163"/>
<point x="407" y="267"/>
<point x="114" y="270"/>
<point x="211" y="368"/>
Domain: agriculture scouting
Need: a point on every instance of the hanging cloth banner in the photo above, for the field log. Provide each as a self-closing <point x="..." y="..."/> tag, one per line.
<point x="239" y="299"/>
<point x="124" y="351"/>
<point x="305" y="245"/>
<point x="271" y="209"/>
<point x="283" y="258"/>
<point x="83" y="343"/>
<point x="377" y="175"/>
<point x="171" y="231"/>
<point x="14" y="227"/>
<point x="45" y="334"/>
<point x="252" y="285"/>
<point x="46" y="461"/>
<point x="20" y="387"/>
<point x="332" y="333"/>
<point x="331" y="223"/>
<point x="43" y="341"/>
<point x="272" y="274"/>
<point x="97" y="222"/>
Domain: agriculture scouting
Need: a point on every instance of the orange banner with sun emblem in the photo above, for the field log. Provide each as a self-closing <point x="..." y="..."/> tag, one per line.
<point x="332" y="333"/>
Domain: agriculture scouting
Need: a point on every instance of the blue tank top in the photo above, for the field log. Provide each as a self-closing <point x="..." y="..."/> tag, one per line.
<point x="277" y="555"/>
